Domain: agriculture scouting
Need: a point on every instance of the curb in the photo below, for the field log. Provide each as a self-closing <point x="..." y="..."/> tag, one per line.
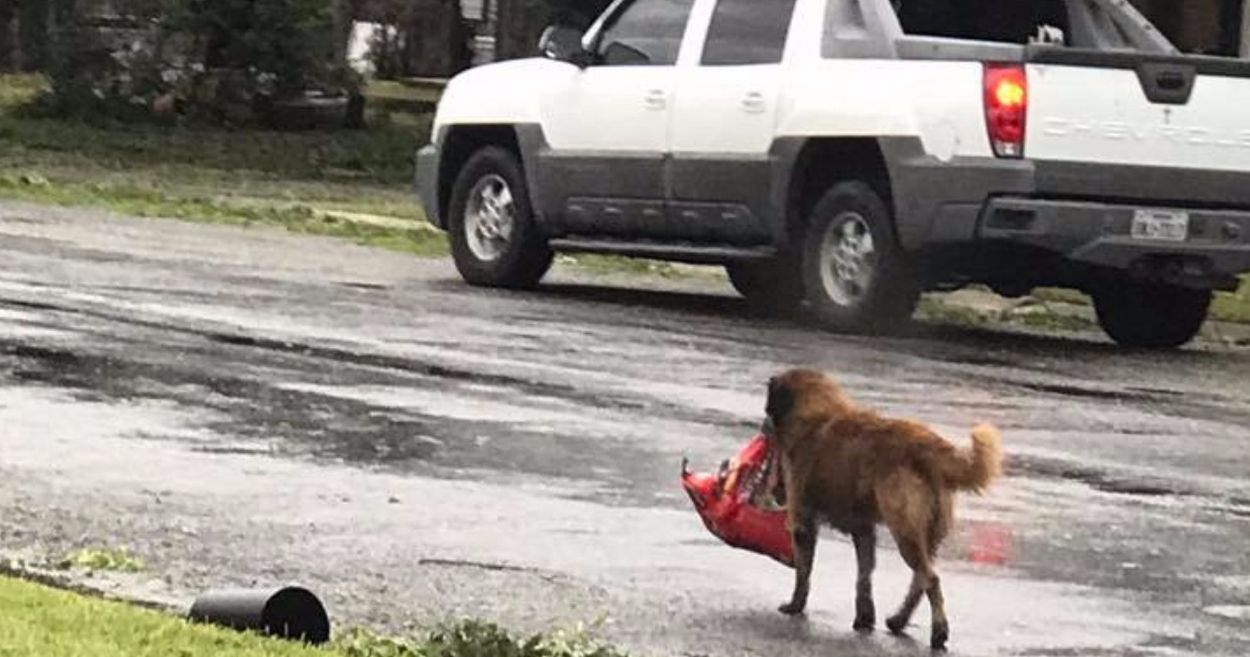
<point x="64" y="581"/>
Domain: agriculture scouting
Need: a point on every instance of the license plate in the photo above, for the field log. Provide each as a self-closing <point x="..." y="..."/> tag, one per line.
<point x="1161" y="225"/>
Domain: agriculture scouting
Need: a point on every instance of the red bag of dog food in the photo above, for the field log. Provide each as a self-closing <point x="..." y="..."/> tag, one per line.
<point x="738" y="504"/>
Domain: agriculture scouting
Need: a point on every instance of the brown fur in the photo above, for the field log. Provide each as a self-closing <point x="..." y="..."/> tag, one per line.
<point x="853" y="469"/>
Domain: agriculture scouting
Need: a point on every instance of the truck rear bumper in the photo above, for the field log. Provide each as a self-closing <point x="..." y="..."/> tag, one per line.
<point x="1081" y="212"/>
<point x="1100" y="234"/>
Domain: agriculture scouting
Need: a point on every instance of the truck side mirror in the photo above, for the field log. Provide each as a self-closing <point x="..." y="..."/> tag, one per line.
<point x="563" y="44"/>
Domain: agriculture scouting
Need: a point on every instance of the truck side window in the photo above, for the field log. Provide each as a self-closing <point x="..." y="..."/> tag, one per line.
<point x="646" y="33"/>
<point x="747" y="32"/>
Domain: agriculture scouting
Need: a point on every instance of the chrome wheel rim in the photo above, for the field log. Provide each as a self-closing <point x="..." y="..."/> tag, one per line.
<point x="848" y="259"/>
<point x="489" y="218"/>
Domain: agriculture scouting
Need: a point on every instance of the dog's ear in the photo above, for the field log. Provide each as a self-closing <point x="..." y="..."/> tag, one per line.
<point x="780" y="400"/>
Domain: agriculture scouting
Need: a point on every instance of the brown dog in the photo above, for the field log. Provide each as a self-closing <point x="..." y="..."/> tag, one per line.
<point x="854" y="469"/>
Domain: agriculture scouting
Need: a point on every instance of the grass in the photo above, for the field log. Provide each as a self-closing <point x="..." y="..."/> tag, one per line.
<point x="477" y="639"/>
<point x="1036" y="316"/>
<point x="389" y="95"/>
<point x="412" y="236"/>
<point x="607" y="265"/>
<point x="381" y="155"/>
<point x="1227" y="306"/>
<point x="40" y="621"/>
<point x="118" y="560"/>
<point x="1062" y="295"/>
<point x="306" y="181"/>
<point x="1233" y="306"/>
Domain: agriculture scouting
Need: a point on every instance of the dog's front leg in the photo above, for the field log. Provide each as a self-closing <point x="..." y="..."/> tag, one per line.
<point x="803" y="533"/>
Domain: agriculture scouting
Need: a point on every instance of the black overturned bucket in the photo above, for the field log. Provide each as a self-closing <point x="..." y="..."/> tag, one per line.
<point x="289" y="613"/>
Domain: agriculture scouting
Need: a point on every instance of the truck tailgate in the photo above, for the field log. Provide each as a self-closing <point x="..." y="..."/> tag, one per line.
<point x="1177" y="112"/>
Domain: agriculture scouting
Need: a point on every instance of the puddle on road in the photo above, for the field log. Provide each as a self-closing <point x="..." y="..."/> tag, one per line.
<point x="418" y="427"/>
<point x="1232" y="612"/>
<point x="1096" y="479"/>
<point x="1056" y="529"/>
<point x="1084" y="392"/>
<point x="484" y="406"/>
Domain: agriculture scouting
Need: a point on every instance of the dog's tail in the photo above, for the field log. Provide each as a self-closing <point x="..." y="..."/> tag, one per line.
<point x="975" y="468"/>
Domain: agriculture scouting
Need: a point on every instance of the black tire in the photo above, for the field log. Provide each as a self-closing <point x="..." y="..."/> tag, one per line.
<point x="889" y="292"/>
<point x="523" y="257"/>
<point x="772" y="288"/>
<point x="1141" y="315"/>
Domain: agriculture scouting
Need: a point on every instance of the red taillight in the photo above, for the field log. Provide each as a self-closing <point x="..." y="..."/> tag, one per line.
<point x="1006" y="108"/>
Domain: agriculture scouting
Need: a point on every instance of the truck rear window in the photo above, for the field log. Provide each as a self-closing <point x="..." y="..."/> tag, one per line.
<point x="984" y="29"/>
<point x="1005" y="21"/>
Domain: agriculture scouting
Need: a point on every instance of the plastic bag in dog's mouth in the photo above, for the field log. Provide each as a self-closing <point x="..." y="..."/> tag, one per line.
<point x="743" y="503"/>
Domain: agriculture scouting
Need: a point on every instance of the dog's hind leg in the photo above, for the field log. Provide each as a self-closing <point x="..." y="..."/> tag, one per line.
<point x="914" y="555"/>
<point x="943" y="514"/>
<point x="866" y="556"/>
<point x="905" y="506"/>
<point x="919" y="557"/>
<point x="941" y="630"/>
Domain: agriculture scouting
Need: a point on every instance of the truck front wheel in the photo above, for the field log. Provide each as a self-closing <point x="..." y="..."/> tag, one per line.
<point x="855" y="274"/>
<point x="1141" y="315"/>
<point x="494" y="240"/>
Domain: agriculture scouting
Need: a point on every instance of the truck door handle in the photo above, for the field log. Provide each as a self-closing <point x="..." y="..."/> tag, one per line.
<point x="656" y="99"/>
<point x="753" y="102"/>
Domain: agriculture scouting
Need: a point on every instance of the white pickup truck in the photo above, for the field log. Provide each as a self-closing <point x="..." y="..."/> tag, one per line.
<point x="849" y="154"/>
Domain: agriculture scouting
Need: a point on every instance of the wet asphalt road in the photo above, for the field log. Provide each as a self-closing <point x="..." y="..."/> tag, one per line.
<point x="252" y="407"/>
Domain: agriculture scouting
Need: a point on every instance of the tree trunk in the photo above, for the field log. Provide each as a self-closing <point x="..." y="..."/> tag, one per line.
<point x="436" y="41"/>
<point x="518" y="26"/>
<point x="343" y="12"/>
<point x="66" y="38"/>
<point x="33" y="34"/>
<point x="8" y="40"/>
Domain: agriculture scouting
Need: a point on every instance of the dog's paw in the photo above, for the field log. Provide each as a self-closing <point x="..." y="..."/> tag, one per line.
<point x="865" y="614"/>
<point x="896" y="625"/>
<point x="937" y="640"/>
<point x="792" y="608"/>
<point x="864" y="624"/>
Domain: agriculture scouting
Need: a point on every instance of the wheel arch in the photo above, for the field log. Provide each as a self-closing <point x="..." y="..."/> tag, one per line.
<point x="457" y="144"/>
<point x="807" y="167"/>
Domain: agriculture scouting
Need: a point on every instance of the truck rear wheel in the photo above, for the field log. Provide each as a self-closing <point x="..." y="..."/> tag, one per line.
<point x="855" y="274"/>
<point x="773" y="288"/>
<point x="494" y="240"/>
<point x="1150" y="315"/>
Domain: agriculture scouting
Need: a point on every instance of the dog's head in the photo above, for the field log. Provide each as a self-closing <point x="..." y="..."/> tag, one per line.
<point x="797" y="397"/>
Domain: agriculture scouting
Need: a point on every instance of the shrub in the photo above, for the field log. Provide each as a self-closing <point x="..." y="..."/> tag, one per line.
<point x="226" y="61"/>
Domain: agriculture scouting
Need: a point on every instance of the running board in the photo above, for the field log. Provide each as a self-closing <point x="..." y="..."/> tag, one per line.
<point x="695" y="254"/>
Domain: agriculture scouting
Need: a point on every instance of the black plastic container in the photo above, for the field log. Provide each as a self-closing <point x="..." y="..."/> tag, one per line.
<point x="290" y="612"/>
